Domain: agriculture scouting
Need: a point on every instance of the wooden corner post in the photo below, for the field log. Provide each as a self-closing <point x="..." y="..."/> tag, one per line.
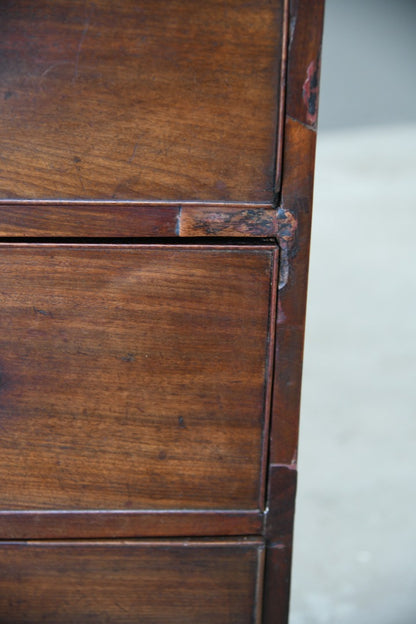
<point x="304" y="21"/>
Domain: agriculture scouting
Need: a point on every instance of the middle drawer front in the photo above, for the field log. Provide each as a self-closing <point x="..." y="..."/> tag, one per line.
<point x="160" y="582"/>
<point x="133" y="377"/>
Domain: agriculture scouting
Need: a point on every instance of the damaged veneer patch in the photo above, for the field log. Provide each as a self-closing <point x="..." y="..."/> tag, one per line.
<point x="310" y="92"/>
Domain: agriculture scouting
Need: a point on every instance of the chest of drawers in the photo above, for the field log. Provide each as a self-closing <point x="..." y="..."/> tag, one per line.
<point x="155" y="200"/>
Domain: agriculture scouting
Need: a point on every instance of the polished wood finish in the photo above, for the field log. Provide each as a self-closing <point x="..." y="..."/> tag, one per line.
<point x="74" y="220"/>
<point x="304" y="62"/>
<point x="277" y="584"/>
<point x="306" y="18"/>
<point x="290" y="327"/>
<point x="281" y="492"/>
<point x="136" y="220"/>
<point x="304" y="41"/>
<point x="133" y="377"/>
<point x="155" y="206"/>
<point x="120" y="100"/>
<point x="20" y="525"/>
<point x="129" y="582"/>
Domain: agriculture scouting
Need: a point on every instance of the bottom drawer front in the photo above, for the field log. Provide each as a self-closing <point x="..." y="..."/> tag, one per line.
<point x="147" y="582"/>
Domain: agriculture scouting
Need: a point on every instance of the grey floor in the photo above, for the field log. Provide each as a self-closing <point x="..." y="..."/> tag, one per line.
<point x="355" y="533"/>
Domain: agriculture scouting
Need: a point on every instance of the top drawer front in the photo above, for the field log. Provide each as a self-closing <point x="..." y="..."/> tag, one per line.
<point x="133" y="377"/>
<point x="128" y="100"/>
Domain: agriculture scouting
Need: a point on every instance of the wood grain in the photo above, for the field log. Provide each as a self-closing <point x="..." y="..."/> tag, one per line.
<point x="127" y="220"/>
<point x="138" y="382"/>
<point x="133" y="377"/>
<point x="296" y="204"/>
<point x="125" y="583"/>
<point x="19" y="525"/>
<point x="305" y="18"/>
<point x="222" y="221"/>
<point x="95" y="220"/>
<point x="281" y="504"/>
<point x="290" y="328"/>
<point x="277" y="584"/>
<point x="302" y="88"/>
<point x="158" y="100"/>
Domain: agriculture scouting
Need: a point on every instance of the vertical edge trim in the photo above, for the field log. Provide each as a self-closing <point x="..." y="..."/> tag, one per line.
<point x="290" y="322"/>
<point x="277" y="584"/>
<point x="269" y="369"/>
<point x="281" y="494"/>
<point x="282" y="99"/>
<point x="258" y="598"/>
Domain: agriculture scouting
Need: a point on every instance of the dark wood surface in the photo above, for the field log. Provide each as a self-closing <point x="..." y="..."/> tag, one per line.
<point x="306" y="18"/>
<point x="152" y="391"/>
<point x="120" y="100"/>
<point x="133" y="377"/>
<point x="277" y="584"/>
<point x="127" y="220"/>
<point x="290" y="326"/>
<point x="279" y="518"/>
<point x="131" y="582"/>
<point x="303" y="63"/>
<point x="223" y="221"/>
<point x="73" y="220"/>
<point x="21" y="525"/>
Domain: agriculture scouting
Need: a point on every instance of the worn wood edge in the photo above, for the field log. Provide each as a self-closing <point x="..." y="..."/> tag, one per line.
<point x="127" y="220"/>
<point x="303" y="70"/>
<point x="96" y="524"/>
<point x="300" y="96"/>
<point x="294" y="239"/>
<point x="222" y="221"/>
<point x="304" y="23"/>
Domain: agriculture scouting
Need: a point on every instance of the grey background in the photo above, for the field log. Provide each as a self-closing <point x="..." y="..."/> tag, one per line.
<point x="355" y="529"/>
<point x="368" y="63"/>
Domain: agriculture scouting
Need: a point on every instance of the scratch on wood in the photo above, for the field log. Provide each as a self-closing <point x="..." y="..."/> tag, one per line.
<point x="54" y="66"/>
<point x="133" y="154"/>
<point x="81" y="41"/>
<point x="42" y="312"/>
<point x="76" y="161"/>
<point x="292" y="26"/>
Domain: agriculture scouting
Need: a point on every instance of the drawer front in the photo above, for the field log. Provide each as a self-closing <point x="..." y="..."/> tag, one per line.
<point x="133" y="377"/>
<point x="139" y="101"/>
<point x="150" y="583"/>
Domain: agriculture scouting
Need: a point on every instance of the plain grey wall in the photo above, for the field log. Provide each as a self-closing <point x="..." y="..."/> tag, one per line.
<point x="355" y="533"/>
<point x="369" y="63"/>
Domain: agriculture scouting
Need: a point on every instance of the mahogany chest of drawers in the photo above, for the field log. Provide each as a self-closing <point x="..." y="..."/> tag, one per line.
<point x="156" y="167"/>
